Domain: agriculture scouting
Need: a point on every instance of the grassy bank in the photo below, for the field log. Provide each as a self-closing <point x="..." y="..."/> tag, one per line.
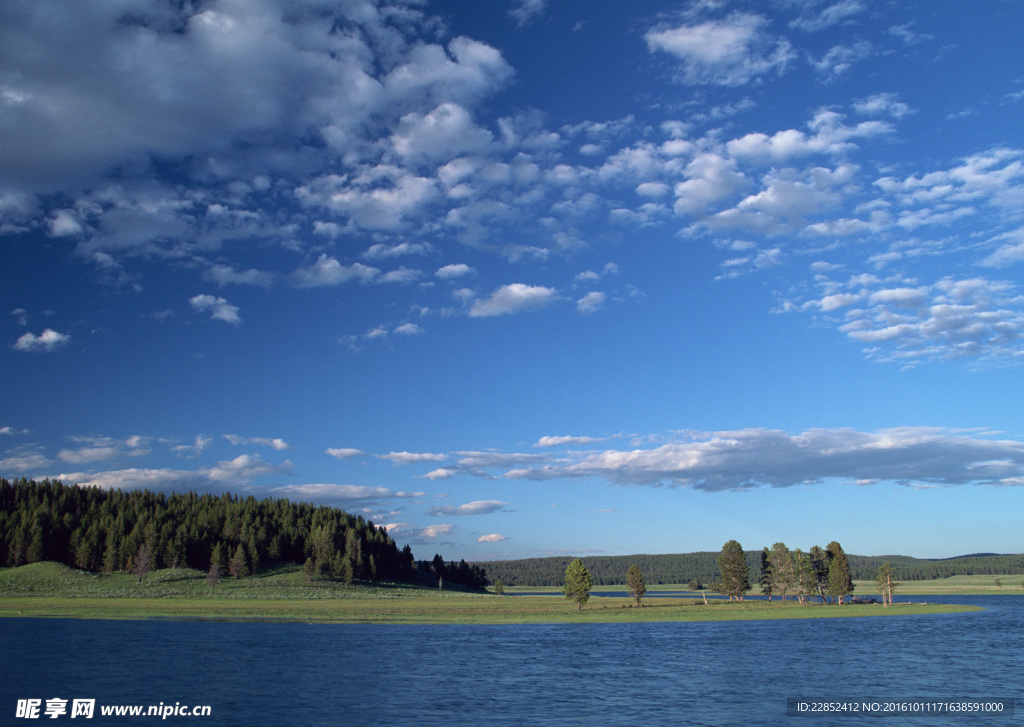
<point x="53" y="590"/>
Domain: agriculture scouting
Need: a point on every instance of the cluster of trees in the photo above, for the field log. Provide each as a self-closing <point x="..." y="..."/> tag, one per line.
<point x="462" y="573"/>
<point x="819" y="572"/>
<point x="702" y="568"/>
<point x="138" y="530"/>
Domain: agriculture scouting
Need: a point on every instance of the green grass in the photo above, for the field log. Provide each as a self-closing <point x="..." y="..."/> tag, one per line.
<point x="54" y="590"/>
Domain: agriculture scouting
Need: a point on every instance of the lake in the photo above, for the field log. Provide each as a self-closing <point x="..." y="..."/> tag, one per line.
<point x="724" y="673"/>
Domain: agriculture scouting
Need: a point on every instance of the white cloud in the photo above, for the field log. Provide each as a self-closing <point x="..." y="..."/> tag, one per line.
<point x="408" y="329"/>
<point x="276" y="443"/>
<point x="479" y="507"/>
<point x="729" y="52"/>
<point x="526" y="10"/>
<point x="512" y="298"/>
<point x="328" y="271"/>
<point x="48" y="340"/>
<point x="24" y="461"/>
<point x="456" y="270"/>
<point x="404" y="458"/>
<point x="550" y="441"/>
<point x="383" y="251"/>
<point x="243" y="468"/>
<point x="760" y="457"/>
<point x="335" y="493"/>
<point x="227" y="275"/>
<point x="953" y="318"/>
<point x="344" y="452"/>
<point x="590" y="302"/>
<point x="831" y="15"/>
<point x="491" y="538"/>
<point x="218" y="308"/>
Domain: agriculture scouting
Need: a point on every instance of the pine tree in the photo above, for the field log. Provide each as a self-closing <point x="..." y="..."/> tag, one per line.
<point x="732" y="564"/>
<point x="238" y="566"/>
<point x="635" y="585"/>
<point x="578" y="583"/>
<point x="839" y="581"/>
<point x="766" y="573"/>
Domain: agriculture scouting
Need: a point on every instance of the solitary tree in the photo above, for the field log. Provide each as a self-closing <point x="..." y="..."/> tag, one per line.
<point x="578" y="583"/>
<point x="635" y="585"/>
<point x="886" y="583"/>
<point x="143" y="562"/>
<point x="732" y="564"/>
<point x="238" y="566"/>
<point x="216" y="566"/>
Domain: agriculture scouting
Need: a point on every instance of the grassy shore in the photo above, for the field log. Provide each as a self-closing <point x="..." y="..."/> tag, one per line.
<point x="53" y="590"/>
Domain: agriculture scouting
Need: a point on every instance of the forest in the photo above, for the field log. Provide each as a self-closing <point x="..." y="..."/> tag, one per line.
<point x="139" y="530"/>
<point x="703" y="567"/>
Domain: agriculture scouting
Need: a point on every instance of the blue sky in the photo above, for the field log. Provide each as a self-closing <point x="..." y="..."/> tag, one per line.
<point x="525" y="278"/>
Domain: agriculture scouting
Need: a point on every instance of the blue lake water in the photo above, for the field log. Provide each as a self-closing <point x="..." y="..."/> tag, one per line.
<point x="585" y="674"/>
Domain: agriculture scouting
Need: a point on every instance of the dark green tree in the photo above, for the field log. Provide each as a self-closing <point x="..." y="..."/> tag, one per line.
<point x="735" y="573"/>
<point x="577" y="583"/>
<point x="766" y="573"/>
<point x="635" y="585"/>
<point x="839" y="581"/>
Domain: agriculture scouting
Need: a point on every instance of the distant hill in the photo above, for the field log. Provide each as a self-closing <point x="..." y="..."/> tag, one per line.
<point x="703" y="566"/>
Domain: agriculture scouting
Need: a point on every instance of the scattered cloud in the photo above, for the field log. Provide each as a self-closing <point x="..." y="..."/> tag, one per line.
<point x="491" y="538"/>
<point x="218" y="308"/>
<point x="404" y="458"/>
<point x="344" y="452"/>
<point x="513" y="298"/>
<point x="48" y="340"/>
<point x="729" y="52"/>
<point x="277" y="443"/>
<point x="479" y="507"/>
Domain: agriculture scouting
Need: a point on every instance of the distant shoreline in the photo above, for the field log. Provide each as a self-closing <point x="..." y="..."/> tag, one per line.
<point x="51" y="590"/>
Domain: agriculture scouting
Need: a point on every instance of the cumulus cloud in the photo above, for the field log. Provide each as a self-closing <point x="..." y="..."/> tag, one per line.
<point x="456" y="270"/>
<point x="513" y="298"/>
<point x="728" y="52"/>
<point x="328" y="271"/>
<point x="218" y="308"/>
<point x="590" y="302"/>
<point x="491" y="538"/>
<point x="760" y="457"/>
<point x="953" y="318"/>
<point x="48" y="340"/>
<point x="479" y="507"/>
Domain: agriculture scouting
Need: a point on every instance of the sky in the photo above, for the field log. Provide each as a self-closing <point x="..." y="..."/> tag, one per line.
<point x="525" y="277"/>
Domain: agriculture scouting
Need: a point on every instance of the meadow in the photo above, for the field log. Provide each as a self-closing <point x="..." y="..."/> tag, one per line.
<point x="283" y="593"/>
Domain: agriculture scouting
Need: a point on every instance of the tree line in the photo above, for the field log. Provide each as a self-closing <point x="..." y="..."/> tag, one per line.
<point x="226" y="535"/>
<point x="702" y="567"/>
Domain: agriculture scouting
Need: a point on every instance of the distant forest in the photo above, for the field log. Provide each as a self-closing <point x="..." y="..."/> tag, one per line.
<point x="703" y="567"/>
<point x="133" y="530"/>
